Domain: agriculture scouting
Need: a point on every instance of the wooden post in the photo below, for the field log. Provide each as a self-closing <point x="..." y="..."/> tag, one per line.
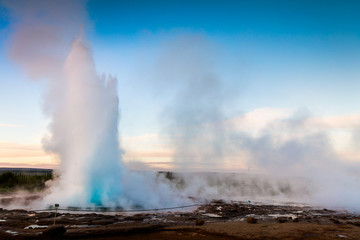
<point x="56" y="208"/>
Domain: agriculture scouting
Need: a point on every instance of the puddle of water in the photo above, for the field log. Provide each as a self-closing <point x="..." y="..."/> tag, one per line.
<point x="82" y="226"/>
<point x="292" y="216"/>
<point x="35" y="226"/>
<point x="12" y="232"/>
<point x="250" y="215"/>
<point x="212" y="215"/>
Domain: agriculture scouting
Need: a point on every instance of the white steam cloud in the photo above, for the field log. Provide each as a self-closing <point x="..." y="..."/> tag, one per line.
<point x="203" y="137"/>
<point x="42" y="31"/>
<point x="84" y="134"/>
<point x="193" y="117"/>
<point x="84" y="130"/>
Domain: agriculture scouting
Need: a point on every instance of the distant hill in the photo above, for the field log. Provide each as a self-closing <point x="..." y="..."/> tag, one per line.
<point x="31" y="179"/>
<point x="26" y="170"/>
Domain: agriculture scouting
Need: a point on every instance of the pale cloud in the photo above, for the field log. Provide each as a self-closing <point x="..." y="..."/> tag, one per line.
<point x="147" y="141"/>
<point x="350" y="155"/>
<point x="142" y="138"/>
<point x="25" y="155"/>
<point x="153" y="149"/>
<point x="11" y="125"/>
<point x="147" y="152"/>
<point x="28" y="165"/>
<point x="41" y="33"/>
<point x="255" y="121"/>
<point x="339" y="128"/>
<point x="339" y="121"/>
<point x="163" y="153"/>
<point x="155" y="153"/>
<point x="149" y="166"/>
<point x="156" y="159"/>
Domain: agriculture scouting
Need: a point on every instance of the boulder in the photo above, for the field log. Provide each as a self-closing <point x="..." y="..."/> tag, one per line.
<point x="54" y="231"/>
<point x="251" y="220"/>
<point x="336" y="221"/>
<point x="199" y="222"/>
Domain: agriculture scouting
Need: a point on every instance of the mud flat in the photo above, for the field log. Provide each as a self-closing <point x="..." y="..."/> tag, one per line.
<point x="216" y="220"/>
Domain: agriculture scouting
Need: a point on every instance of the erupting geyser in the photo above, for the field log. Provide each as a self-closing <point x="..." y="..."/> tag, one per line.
<point x="84" y="134"/>
<point x="84" y="131"/>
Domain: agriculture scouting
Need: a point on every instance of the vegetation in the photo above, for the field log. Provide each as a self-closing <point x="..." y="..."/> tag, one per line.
<point x="172" y="178"/>
<point x="167" y="174"/>
<point x="11" y="181"/>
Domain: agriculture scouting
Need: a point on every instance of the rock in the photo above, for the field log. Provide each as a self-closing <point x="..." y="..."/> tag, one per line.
<point x="104" y="222"/>
<point x="296" y="220"/>
<point x="54" y="231"/>
<point x="6" y="236"/>
<point x="251" y="220"/>
<point x="199" y="222"/>
<point x="137" y="217"/>
<point x="354" y="223"/>
<point x="335" y="221"/>
<point x="281" y="219"/>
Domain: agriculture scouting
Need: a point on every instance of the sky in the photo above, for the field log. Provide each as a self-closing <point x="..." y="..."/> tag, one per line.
<point x="272" y="60"/>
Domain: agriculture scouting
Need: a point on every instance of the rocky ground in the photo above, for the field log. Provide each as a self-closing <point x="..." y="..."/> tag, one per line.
<point x="216" y="220"/>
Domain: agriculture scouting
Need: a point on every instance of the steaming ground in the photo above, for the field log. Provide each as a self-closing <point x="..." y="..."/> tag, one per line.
<point x="172" y="189"/>
<point x="169" y="189"/>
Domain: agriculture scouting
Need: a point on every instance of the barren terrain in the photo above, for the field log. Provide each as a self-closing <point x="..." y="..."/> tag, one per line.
<point x="215" y="220"/>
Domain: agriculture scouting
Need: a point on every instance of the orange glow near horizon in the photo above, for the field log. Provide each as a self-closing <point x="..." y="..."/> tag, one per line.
<point x="20" y="155"/>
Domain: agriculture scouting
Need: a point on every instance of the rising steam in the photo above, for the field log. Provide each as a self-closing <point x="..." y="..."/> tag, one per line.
<point x="84" y="134"/>
<point x="287" y="148"/>
<point x="84" y="130"/>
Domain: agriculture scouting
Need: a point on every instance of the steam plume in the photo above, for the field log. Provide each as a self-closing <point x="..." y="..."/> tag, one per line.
<point x="83" y="109"/>
<point x="84" y="129"/>
<point x="84" y="134"/>
<point x="202" y="135"/>
<point x="42" y="31"/>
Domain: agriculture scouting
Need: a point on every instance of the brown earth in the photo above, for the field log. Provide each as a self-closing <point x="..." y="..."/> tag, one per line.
<point x="222" y="220"/>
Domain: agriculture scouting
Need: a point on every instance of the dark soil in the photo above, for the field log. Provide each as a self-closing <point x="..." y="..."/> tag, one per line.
<point x="219" y="220"/>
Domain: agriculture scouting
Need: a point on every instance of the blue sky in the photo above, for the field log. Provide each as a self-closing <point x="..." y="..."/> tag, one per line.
<point x="267" y="18"/>
<point x="303" y="51"/>
<point x="268" y="54"/>
<point x="297" y="47"/>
